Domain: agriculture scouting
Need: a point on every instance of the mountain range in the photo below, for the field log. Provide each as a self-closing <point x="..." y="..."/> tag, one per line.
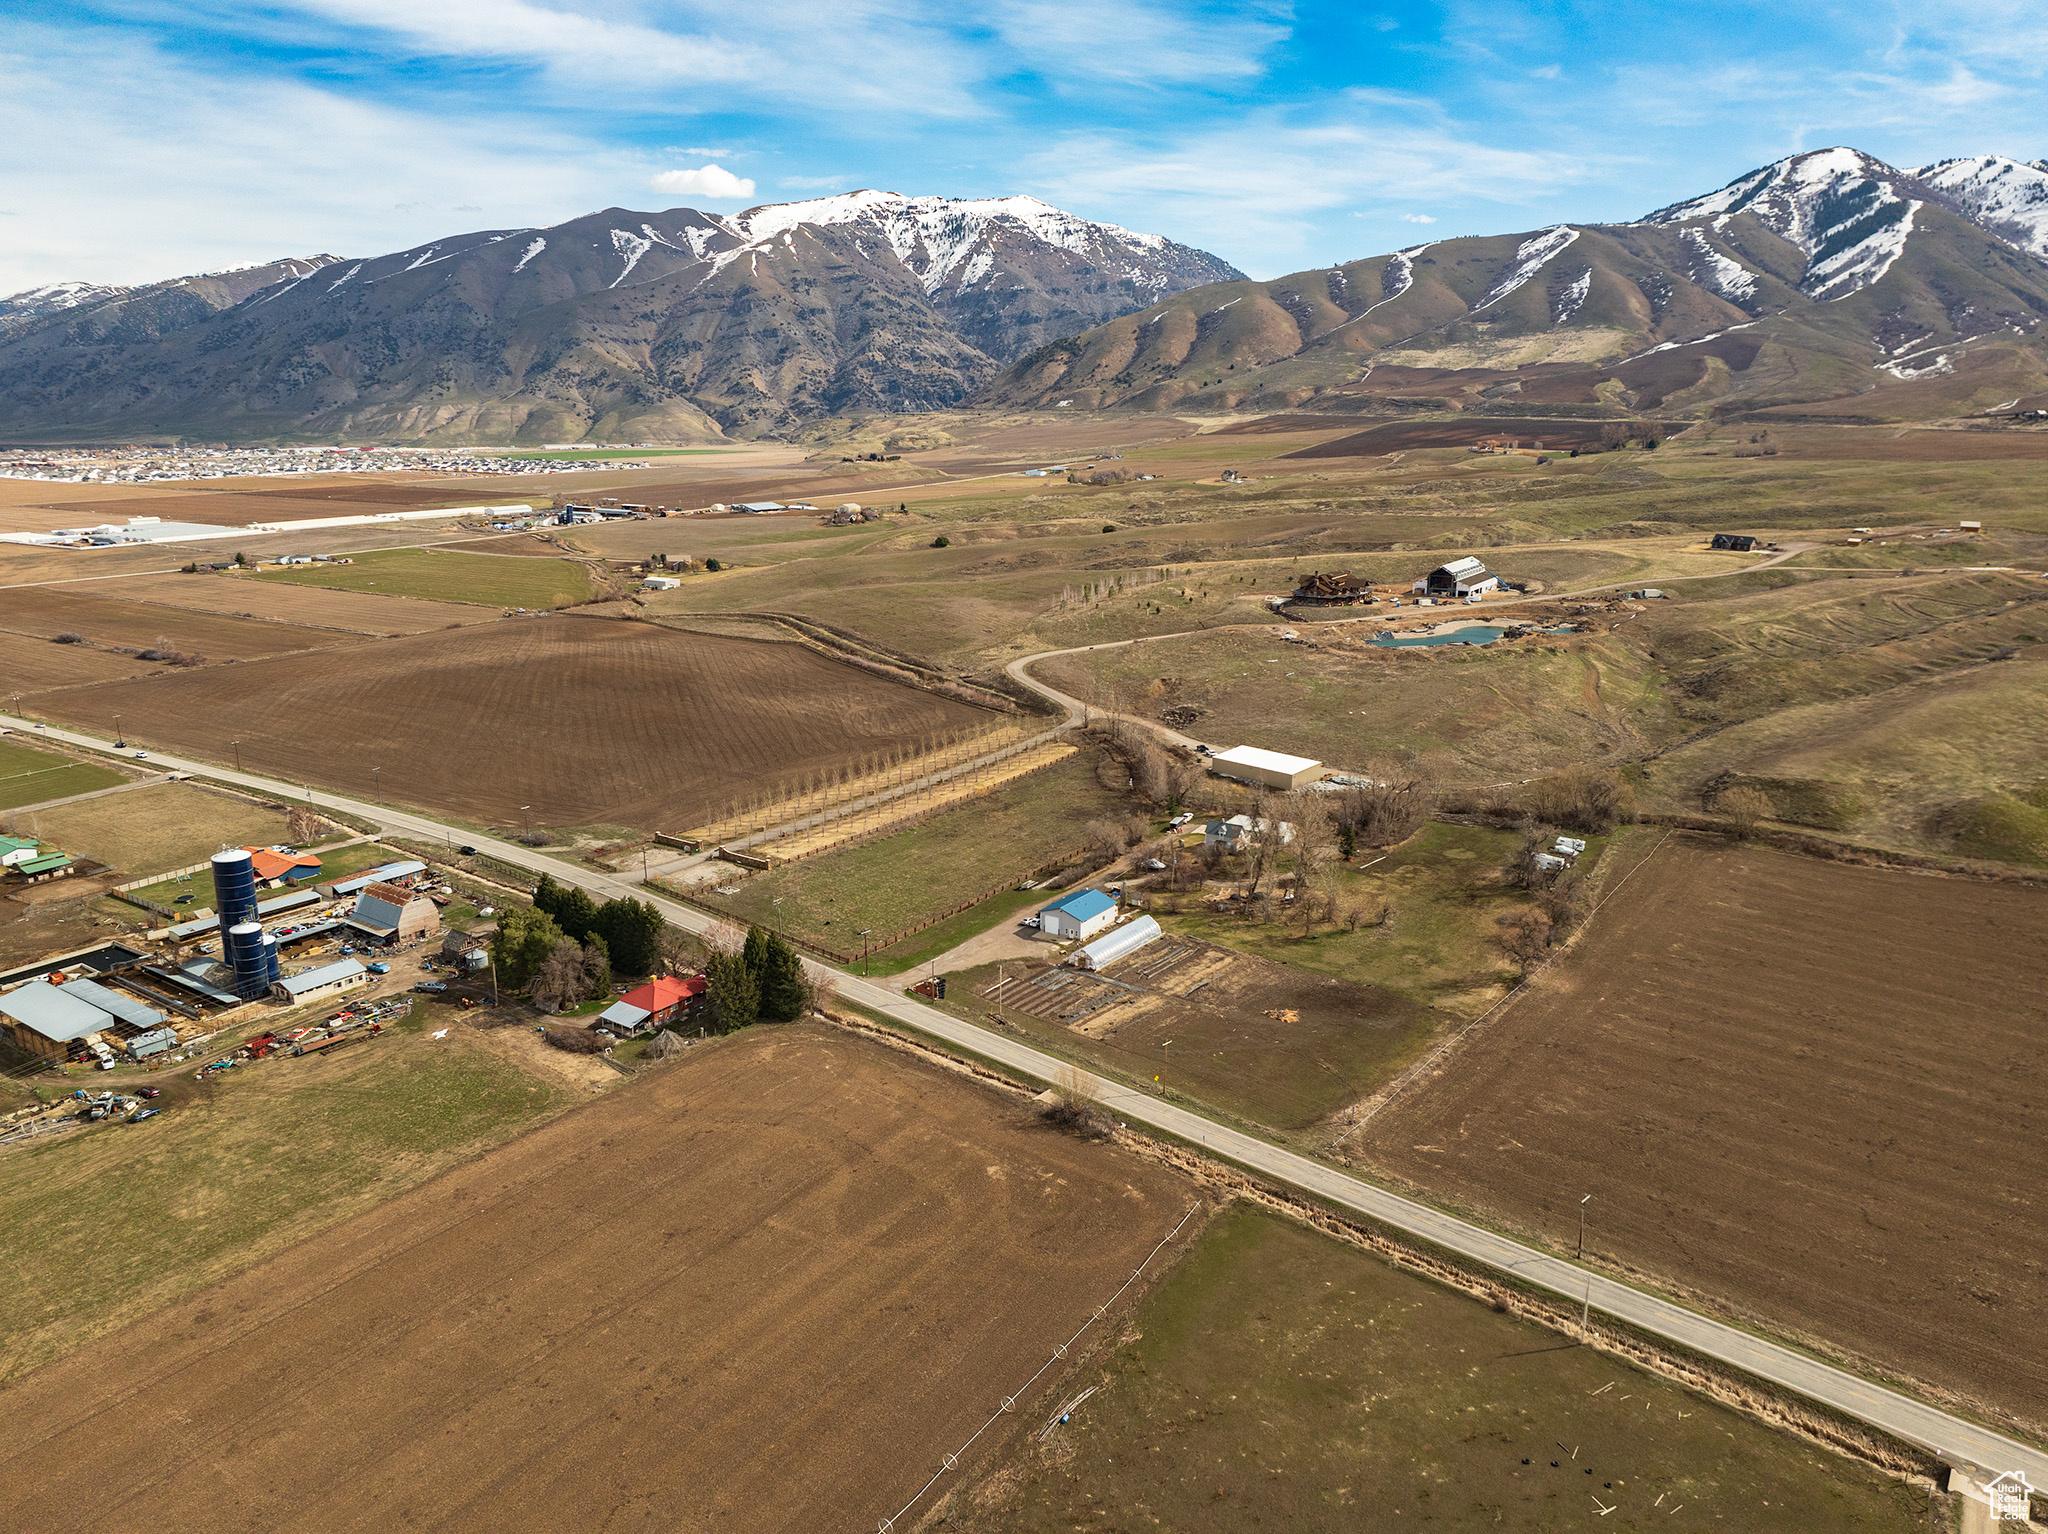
<point x="1828" y="284"/>
<point x="671" y="326"/>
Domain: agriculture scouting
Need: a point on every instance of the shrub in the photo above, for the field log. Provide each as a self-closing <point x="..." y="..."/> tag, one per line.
<point x="714" y="565"/>
<point x="67" y="637"/>
<point x="941" y="541"/>
<point x="1581" y="798"/>
<point x="1109" y="527"/>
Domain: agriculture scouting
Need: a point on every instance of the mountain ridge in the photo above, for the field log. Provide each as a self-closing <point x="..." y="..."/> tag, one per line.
<point x="672" y="325"/>
<point x="1824" y="276"/>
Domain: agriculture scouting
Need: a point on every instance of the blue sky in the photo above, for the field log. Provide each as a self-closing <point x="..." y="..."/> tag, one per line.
<point x="148" y="138"/>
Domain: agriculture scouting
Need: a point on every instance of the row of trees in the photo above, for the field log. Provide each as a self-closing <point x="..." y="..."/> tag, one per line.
<point x="629" y="930"/>
<point x="759" y="980"/>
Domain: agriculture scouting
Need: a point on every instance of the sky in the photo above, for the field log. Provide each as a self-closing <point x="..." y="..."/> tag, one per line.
<point x="152" y="138"/>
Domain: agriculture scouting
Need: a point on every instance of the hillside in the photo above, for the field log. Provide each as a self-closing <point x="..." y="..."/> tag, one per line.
<point x="1826" y="277"/>
<point x="672" y="326"/>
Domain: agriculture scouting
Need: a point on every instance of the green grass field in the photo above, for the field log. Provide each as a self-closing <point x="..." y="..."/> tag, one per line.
<point x="1279" y="1379"/>
<point x="29" y="776"/>
<point x="489" y="580"/>
<point x="107" y="1223"/>
<point x="897" y="881"/>
<point x="166" y="825"/>
<point x="338" y="863"/>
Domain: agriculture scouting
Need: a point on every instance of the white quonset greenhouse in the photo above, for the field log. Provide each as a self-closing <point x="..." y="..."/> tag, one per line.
<point x="1123" y="942"/>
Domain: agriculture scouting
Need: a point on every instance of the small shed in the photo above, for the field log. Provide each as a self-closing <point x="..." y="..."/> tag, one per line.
<point x="660" y="583"/>
<point x="1268" y="769"/>
<point x="1120" y="944"/>
<point x="1079" y="915"/>
<point x="1460" y="578"/>
<point x="1735" y="543"/>
<point x="16" y="850"/>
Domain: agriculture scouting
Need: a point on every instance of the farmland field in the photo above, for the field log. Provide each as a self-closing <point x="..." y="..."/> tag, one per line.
<point x="30" y="663"/>
<point x="166" y="825"/>
<point x="588" y="721"/>
<point x="1799" y="1090"/>
<point x="899" y="880"/>
<point x="445" y="577"/>
<point x="107" y="619"/>
<point x="29" y="776"/>
<point x="252" y="596"/>
<point x="769" y="1287"/>
<point x="1260" y="1041"/>
<point x="109" y="1224"/>
<point x="1277" y="1379"/>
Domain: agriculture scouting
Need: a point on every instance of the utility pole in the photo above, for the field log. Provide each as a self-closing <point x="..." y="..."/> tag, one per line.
<point x="238" y="756"/>
<point x="1580" y="1251"/>
<point x="865" y="947"/>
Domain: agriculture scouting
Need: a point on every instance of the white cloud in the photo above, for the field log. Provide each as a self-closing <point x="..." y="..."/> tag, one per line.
<point x="1135" y="41"/>
<point x="139" y="167"/>
<point x="1417" y="218"/>
<point x="1257" y="190"/>
<point x="708" y="154"/>
<point x="707" y="181"/>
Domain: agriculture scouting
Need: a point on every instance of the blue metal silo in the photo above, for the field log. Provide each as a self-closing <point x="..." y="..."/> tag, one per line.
<point x="273" y="969"/>
<point x="234" y="887"/>
<point x="242" y="947"/>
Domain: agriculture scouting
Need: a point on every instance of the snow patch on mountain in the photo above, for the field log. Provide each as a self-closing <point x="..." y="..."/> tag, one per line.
<point x="54" y="298"/>
<point x="538" y="244"/>
<point x="344" y="278"/>
<point x="1731" y="279"/>
<point x="1531" y="256"/>
<point x="632" y="246"/>
<point x="1567" y="303"/>
<point x="2009" y="197"/>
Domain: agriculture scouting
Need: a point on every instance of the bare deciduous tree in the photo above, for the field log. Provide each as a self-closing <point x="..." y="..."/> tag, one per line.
<point x="1526" y="937"/>
<point x="1743" y="808"/>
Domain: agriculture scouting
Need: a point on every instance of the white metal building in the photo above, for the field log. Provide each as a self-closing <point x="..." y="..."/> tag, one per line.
<point x="327" y="980"/>
<point x="1120" y="944"/>
<point x="1460" y="578"/>
<point x="1079" y="915"/>
<point x="1268" y="769"/>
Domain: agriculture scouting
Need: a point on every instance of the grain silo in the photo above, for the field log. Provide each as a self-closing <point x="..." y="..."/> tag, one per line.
<point x="234" y="887"/>
<point x="242" y="948"/>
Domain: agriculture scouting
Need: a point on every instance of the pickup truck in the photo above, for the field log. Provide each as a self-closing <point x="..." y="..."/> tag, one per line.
<point x="379" y="968"/>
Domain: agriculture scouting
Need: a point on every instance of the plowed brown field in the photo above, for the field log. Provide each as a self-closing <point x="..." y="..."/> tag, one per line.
<point x="1809" y="1092"/>
<point x="766" y="1289"/>
<point x="107" y="619"/>
<point x="585" y="721"/>
<point x="29" y="663"/>
<point x="362" y="611"/>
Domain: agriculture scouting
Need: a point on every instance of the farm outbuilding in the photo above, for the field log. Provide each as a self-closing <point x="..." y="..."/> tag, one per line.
<point x="1460" y="578"/>
<point x="314" y="984"/>
<point x="1120" y="944"/>
<point x="1079" y="915"/>
<point x="45" y="1022"/>
<point x="394" y="914"/>
<point x="15" y="850"/>
<point x="1267" y="769"/>
<point x="1740" y="543"/>
<point x="386" y="873"/>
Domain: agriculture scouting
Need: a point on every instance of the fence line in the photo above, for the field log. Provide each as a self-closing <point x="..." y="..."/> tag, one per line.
<point x="1010" y="1402"/>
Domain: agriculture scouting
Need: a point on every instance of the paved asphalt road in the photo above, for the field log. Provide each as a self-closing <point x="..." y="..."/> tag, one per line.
<point x="1901" y="1415"/>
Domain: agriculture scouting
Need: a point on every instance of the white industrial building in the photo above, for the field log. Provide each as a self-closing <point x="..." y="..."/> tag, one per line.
<point x="1120" y="944"/>
<point x="1267" y="769"/>
<point x="1460" y="578"/>
<point x="1079" y="915"/>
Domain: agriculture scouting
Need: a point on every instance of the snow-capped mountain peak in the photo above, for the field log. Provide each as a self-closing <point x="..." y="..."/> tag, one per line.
<point x="2009" y="197"/>
<point x="952" y="240"/>
<point x="1844" y="209"/>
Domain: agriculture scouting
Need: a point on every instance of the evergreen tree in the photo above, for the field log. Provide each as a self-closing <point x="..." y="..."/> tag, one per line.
<point x="756" y="952"/>
<point x="734" y="1000"/>
<point x="575" y="913"/>
<point x="783" y="992"/>
<point x="524" y="939"/>
<point x="597" y="966"/>
<point x="632" y="931"/>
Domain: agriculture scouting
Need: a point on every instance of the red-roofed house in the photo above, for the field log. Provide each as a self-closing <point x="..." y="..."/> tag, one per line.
<point x="660" y="1003"/>
<point x="273" y="866"/>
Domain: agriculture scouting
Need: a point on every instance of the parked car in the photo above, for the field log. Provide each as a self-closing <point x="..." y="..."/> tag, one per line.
<point x="149" y="1092"/>
<point x="1204" y="750"/>
<point x="468" y="852"/>
<point x="432" y="987"/>
<point x="143" y="1113"/>
<point x="1031" y="922"/>
<point x="379" y="968"/>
